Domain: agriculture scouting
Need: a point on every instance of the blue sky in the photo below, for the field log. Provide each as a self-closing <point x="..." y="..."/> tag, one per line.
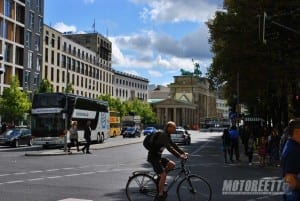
<point x="153" y="39"/>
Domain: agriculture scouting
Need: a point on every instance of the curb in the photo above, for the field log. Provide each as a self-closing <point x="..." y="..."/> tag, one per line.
<point x="104" y="145"/>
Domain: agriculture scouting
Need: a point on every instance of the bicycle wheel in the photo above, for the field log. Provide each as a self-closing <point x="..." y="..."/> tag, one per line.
<point x="141" y="187"/>
<point x="194" y="188"/>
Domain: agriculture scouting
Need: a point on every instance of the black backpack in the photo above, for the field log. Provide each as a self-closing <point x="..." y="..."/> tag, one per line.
<point x="149" y="141"/>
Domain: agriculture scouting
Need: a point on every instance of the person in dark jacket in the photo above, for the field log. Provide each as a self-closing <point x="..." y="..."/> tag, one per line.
<point x="87" y="137"/>
<point x="226" y="144"/>
<point x="290" y="162"/>
<point x="234" y="137"/>
<point x="160" y="164"/>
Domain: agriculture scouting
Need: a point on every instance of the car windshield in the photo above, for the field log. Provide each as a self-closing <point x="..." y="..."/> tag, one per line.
<point x="130" y="129"/>
<point x="179" y="131"/>
<point x="12" y="132"/>
<point x="149" y="128"/>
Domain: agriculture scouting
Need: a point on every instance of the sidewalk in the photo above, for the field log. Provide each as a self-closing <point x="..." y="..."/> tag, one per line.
<point x="108" y="143"/>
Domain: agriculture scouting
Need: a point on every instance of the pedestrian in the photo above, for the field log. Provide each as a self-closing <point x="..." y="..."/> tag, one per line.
<point x="273" y="147"/>
<point x="87" y="137"/>
<point x="3" y="127"/>
<point x="226" y="144"/>
<point x="73" y="136"/>
<point x="244" y="136"/>
<point x="290" y="162"/>
<point x="262" y="151"/>
<point x="234" y="138"/>
<point x="250" y="149"/>
<point x="162" y="165"/>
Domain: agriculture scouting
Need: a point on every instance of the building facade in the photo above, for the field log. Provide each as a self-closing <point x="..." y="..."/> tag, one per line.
<point x="189" y="102"/>
<point x="129" y="87"/>
<point x="66" y="61"/>
<point x="21" y="36"/>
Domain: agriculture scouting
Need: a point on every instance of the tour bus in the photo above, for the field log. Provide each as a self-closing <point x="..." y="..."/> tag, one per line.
<point x="52" y="113"/>
<point x="115" y="123"/>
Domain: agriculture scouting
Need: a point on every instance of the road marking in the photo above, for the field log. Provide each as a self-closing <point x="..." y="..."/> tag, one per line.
<point x="74" y="199"/>
<point x="14" y="182"/>
<point x="54" y="177"/>
<point x="52" y="170"/>
<point x="71" y="175"/>
<point x="36" y="179"/>
<point x="36" y="171"/>
<point x="19" y="173"/>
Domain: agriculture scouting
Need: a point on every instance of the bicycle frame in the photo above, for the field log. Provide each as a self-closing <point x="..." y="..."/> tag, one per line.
<point x="183" y="172"/>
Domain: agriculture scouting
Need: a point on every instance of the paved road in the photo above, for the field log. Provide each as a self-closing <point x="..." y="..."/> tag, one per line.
<point x="50" y="175"/>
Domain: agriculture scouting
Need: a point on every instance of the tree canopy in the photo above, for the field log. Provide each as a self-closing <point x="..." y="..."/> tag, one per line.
<point x="14" y="103"/>
<point x="261" y="75"/>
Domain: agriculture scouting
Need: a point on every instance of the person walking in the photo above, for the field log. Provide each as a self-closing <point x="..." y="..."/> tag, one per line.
<point x="290" y="162"/>
<point x="226" y="144"/>
<point x="162" y="165"/>
<point x="73" y="136"/>
<point x="250" y="148"/>
<point x="234" y="137"/>
<point x="87" y="137"/>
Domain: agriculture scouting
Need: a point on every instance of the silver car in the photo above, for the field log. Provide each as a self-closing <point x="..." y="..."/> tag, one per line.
<point x="181" y="136"/>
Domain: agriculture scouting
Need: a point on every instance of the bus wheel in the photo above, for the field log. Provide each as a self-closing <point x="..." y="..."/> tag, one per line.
<point x="100" y="138"/>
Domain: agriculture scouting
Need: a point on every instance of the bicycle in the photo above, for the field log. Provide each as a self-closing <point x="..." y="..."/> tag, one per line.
<point x="143" y="185"/>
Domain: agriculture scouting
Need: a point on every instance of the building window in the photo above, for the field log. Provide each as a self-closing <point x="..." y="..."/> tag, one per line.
<point x="38" y="63"/>
<point x="37" y="43"/>
<point x="52" y="74"/>
<point x="40" y="29"/>
<point x="30" y="63"/>
<point x="57" y="75"/>
<point x="8" y="8"/>
<point x="28" y="39"/>
<point x="31" y="20"/>
<point x="36" y="78"/>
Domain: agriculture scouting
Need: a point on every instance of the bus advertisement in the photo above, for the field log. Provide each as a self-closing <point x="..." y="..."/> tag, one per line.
<point x="115" y="123"/>
<point x="52" y="113"/>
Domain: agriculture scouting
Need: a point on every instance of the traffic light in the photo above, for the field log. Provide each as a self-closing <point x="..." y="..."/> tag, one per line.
<point x="297" y="106"/>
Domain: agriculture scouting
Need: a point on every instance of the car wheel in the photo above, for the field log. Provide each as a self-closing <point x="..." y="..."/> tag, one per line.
<point x="16" y="143"/>
<point x="30" y="142"/>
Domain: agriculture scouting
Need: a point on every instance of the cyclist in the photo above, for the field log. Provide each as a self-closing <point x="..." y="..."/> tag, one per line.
<point x="160" y="164"/>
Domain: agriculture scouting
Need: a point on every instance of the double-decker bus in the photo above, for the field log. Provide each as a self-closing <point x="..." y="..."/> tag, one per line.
<point x="115" y="123"/>
<point x="52" y="113"/>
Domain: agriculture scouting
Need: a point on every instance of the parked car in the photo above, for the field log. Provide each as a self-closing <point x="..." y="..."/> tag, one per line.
<point x="132" y="132"/>
<point x="181" y="136"/>
<point x="149" y="130"/>
<point x="16" y="137"/>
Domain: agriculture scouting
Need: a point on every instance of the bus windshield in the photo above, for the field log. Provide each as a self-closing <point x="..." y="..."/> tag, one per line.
<point x="47" y="125"/>
<point x="49" y="100"/>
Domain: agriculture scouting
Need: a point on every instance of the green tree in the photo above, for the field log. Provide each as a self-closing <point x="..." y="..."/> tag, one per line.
<point x="133" y="106"/>
<point x="45" y="86"/>
<point x="69" y="88"/>
<point x="14" y="103"/>
<point x="262" y="74"/>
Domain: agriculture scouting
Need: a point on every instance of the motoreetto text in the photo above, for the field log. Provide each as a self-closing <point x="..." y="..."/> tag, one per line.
<point x="253" y="187"/>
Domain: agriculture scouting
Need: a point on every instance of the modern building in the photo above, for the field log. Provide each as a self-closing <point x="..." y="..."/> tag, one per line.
<point x="21" y="36"/>
<point x="128" y="86"/>
<point x="66" y="61"/>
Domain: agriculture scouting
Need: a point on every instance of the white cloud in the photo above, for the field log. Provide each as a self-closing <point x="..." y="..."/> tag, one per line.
<point x="178" y="10"/>
<point x="61" y="27"/>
